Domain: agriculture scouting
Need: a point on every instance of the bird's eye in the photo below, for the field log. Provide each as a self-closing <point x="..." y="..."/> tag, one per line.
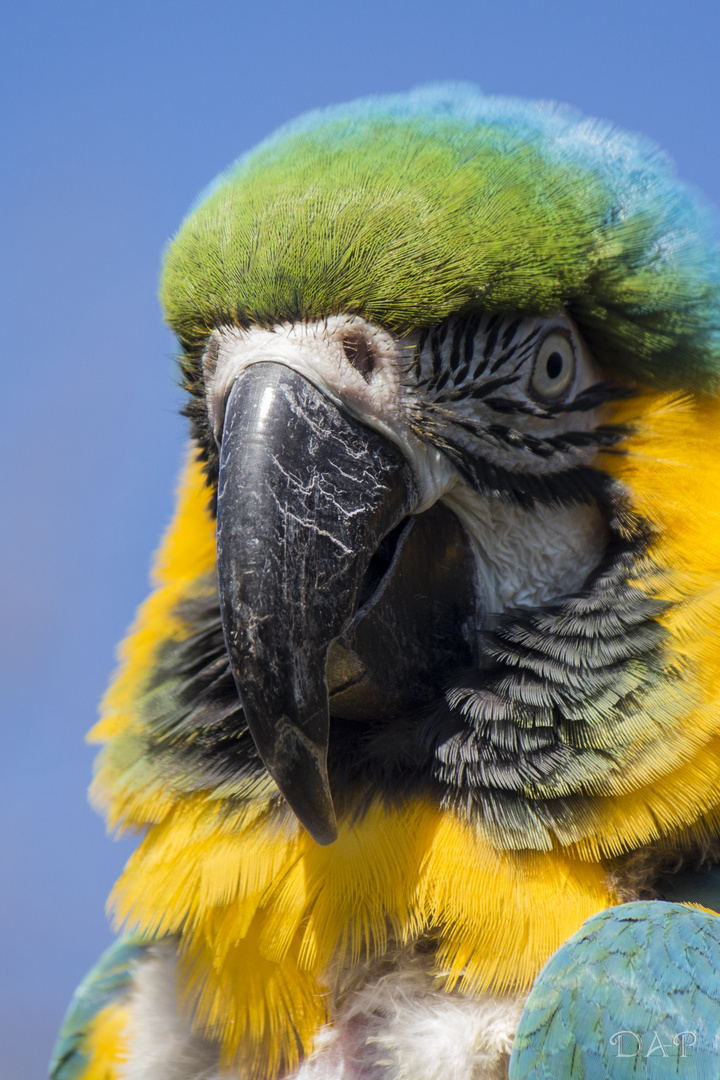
<point x="554" y="367"/>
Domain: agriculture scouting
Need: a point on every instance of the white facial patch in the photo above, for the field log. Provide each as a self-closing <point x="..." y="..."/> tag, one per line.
<point x="529" y="558"/>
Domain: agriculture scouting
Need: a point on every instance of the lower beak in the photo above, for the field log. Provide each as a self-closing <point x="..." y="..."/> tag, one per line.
<point x="306" y="494"/>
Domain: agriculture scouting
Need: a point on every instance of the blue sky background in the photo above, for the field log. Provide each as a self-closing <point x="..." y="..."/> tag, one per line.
<point x="116" y="115"/>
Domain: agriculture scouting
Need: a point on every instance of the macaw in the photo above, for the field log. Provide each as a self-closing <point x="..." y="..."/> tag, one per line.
<point x="420" y="725"/>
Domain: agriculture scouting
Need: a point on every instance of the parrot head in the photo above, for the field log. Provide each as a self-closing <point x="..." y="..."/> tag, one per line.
<point x="433" y="640"/>
<point x="412" y="330"/>
<point x="373" y="494"/>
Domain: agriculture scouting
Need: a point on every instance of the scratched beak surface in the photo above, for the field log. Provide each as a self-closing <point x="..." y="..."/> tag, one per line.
<point x="305" y="496"/>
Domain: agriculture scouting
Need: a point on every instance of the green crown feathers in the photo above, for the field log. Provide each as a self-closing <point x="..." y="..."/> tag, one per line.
<point x="406" y="209"/>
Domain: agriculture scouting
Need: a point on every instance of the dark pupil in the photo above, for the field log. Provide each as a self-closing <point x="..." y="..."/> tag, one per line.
<point x="554" y="365"/>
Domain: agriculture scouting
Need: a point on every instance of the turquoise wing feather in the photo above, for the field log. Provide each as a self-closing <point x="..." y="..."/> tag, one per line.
<point x="106" y="983"/>
<point x="634" y="993"/>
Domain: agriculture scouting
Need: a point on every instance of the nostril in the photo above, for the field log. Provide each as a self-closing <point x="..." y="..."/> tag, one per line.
<point x="360" y="354"/>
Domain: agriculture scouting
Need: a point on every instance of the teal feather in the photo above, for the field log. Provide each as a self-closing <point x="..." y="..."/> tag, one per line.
<point x="106" y="983"/>
<point x="650" y="970"/>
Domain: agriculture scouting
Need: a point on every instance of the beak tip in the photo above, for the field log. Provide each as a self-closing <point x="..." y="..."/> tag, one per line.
<point x="310" y="800"/>
<point x="323" y="832"/>
<point x="298" y="765"/>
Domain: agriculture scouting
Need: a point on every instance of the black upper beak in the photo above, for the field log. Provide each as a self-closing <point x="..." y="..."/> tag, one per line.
<point x="305" y="496"/>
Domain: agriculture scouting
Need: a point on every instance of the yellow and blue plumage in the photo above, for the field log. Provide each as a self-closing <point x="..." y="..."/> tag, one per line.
<point x="442" y="578"/>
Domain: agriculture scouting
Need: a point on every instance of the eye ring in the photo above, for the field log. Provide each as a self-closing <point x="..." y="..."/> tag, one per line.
<point x="554" y="367"/>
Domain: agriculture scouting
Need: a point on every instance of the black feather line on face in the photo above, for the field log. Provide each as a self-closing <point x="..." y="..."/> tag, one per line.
<point x="594" y="397"/>
<point x="580" y="484"/>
